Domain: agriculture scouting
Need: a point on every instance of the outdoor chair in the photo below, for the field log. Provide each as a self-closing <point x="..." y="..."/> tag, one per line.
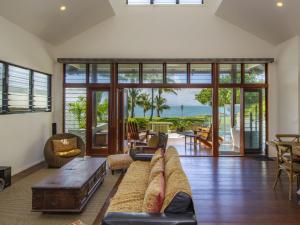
<point x="135" y="135"/>
<point x="205" y="137"/>
<point x="156" y="142"/>
<point x="288" y="159"/>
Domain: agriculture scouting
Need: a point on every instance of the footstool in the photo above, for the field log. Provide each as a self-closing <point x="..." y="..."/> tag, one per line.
<point x="119" y="162"/>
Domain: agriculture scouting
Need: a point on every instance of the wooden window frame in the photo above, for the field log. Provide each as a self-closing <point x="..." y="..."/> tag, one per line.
<point x="115" y="88"/>
<point x="5" y="88"/>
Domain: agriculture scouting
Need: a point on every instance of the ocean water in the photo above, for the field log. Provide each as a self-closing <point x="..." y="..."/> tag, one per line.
<point x="176" y="111"/>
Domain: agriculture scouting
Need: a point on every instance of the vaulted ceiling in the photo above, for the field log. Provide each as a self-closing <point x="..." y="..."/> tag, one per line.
<point x="44" y="18"/>
<point x="263" y="18"/>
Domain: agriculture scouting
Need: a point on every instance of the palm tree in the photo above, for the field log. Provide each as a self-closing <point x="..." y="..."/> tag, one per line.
<point x="159" y="94"/>
<point x="160" y="105"/>
<point x="78" y="109"/>
<point x="132" y="101"/>
<point x="152" y="104"/>
<point x="144" y="102"/>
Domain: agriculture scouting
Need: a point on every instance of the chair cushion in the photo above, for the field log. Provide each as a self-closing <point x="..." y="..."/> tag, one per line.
<point x="170" y="152"/>
<point x="153" y="141"/>
<point x="172" y="165"/>
<point x="154" y="195"/>
<point x="177" y="184"/>
<point x="156" y="169"/>
<point x="119" y="161"/>
<point x="64" y="145"/>
<point x="68" y="154"/>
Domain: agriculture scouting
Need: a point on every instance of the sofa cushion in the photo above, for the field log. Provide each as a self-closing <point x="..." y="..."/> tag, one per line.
<point x="64" y="144"/>
<point x="68" y="154"/>
<point x="127" y="198"/>
<point x="170" y="152"/>
<point x="127" y="203"/>
<point x="177" y="185"/>
<point x="154" y="195"/>
<point x="155" y="158"/>
<point x="156" y="169"/>
<point x="172" y="165"/>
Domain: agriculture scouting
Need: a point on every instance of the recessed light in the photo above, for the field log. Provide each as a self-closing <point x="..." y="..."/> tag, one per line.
<point x="63" y="8"/>
<point x="279" y="4"/>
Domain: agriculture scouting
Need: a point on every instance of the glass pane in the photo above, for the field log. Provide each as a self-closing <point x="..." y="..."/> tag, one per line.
<point x="18" y="89"/>
<point x="128" y="73"/>
<point x="229" y="73"/>
<point x="76" y="73"/>
<point x="164" y="1"/>
<point x="1" y="84"/>
<point x="100" y="119"/>
<point x="183" y="113"/>
<point x="75" y="111"/>
<point x="177" y="73"/>
<point x="253" y="120"/>
<point x="229" y="121"/>
<point x="138" y="2"/>
<point x="152" y="73"/>
<point x="40" y="91"/>
<point x="100" y="73"/>
<point x="201" y="74"/>
<point x="255" y="73"/>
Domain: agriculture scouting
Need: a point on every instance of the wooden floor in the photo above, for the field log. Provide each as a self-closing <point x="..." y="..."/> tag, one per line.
<point x="236" y="191"/>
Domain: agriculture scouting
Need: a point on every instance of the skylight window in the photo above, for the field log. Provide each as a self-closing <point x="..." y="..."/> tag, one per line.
<point x="164" y="2"/>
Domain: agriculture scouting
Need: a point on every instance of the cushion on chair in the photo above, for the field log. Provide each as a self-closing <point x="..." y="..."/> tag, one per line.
<point x="153" y="141"/>
<point x="67" y="154"/>
<point x="176" y="184"/>
<point x="154" y="195"/>
<point x="119" y="161"/>
<point x="64" y="145"/>
<point x="156" y="169"/>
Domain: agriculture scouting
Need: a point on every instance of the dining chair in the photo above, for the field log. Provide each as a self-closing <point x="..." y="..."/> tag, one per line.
<point x="287" y="159"/>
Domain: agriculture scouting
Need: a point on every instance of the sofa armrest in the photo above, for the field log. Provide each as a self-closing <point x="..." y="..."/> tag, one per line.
<point x="138" y="155"/>
<point x="115" y="218"/>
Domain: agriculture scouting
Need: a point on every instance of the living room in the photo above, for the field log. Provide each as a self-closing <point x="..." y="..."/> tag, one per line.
<point x="213" y="85"/>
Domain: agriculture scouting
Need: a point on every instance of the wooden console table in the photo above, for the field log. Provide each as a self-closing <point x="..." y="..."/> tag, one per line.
<point x="70" y="188"/>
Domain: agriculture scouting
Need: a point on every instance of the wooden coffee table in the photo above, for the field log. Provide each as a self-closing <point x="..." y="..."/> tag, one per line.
<point x="70" y="188"/>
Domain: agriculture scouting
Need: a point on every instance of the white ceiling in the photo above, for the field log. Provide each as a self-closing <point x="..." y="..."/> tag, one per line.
<point x="263" y="18"/>
<point x="43" y="17"/>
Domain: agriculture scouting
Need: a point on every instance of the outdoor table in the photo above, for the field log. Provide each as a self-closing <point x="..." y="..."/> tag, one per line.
<point x="191" y="136"/>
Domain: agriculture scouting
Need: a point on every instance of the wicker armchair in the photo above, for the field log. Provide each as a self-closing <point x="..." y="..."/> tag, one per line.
<point x="54" y="161"/>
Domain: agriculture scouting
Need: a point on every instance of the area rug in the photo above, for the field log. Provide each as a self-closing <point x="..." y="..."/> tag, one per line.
<point x="15" y="203"/>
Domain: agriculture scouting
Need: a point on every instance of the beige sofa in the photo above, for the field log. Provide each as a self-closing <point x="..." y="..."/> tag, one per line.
<point x="128" y="204"/>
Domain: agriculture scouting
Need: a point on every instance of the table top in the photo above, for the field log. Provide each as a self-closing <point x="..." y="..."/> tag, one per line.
<point x="72" y="175"/>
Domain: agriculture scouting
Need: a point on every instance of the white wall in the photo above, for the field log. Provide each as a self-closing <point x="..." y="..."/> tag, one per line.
<point x="22" y="136"/>
<point x="288" y="91"/>
<point x="165" y="31"/>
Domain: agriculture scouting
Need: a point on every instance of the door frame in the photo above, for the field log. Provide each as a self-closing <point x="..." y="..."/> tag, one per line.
<point x="89" y="123"/>
<point x="260" y="115"/>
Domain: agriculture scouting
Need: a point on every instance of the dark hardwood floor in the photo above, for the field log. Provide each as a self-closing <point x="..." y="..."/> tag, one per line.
<point x="236" y="191"/>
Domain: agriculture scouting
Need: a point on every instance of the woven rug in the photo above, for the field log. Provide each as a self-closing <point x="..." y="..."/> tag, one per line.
<point x="15" y="203"/>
